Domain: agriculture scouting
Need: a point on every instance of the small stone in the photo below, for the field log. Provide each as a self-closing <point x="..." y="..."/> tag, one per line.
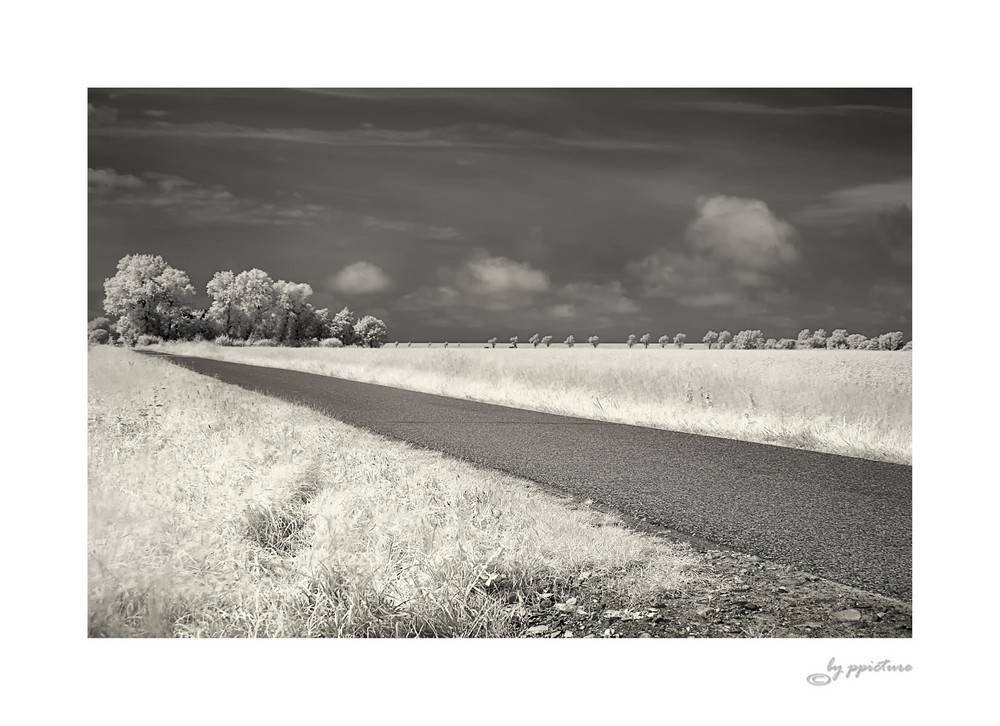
<point x="879" y="616"/>
<point x="846" y="616"/>
<point x="645" y="635"/>
<point x="538" y="630"/>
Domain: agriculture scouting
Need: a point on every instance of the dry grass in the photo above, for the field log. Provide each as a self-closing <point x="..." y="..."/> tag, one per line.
<point x="217" y="512"/>
<point x="856" y="403"/>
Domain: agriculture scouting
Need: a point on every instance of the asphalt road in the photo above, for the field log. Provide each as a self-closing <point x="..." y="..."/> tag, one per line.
<point x="842" y="518"/>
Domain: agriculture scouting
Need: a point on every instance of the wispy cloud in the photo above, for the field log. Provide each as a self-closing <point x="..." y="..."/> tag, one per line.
<point x="193" y="203"/>
<point x="155" y="113"/>
<point x="849" y="206"/>
<point x="414" y="228"/>
<point x="100" y="115"/>
<point x="743" y="107"/>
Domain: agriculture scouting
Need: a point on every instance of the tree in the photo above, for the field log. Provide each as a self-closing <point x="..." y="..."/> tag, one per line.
<point x="535" y="340"/>
<point x="254" y="301"/>
<point x="96" y="326"/>
<point x="369" y="332"/>
<point x="492" y="342"/>
<point x="594" y="340"/>
<point x="770" y="344"/>
<point x="222" y="310"/>
<point x="787" y="344"/>
<point x="147" y="296"/>
<point x="292" y="315"/>
<point x="342" y="326"/>
<point x="854" y="340"/>
<point x="724" y="338"/>
<point x="837" y="340"/>
<point x="664" y="341"/>
<point x="513" y="342"/>
<point x="710" y="337"/>
<point x="645" y="340"/>
<point x="570" y="341"/>
<point x="679" y="340"/>
<point x="908" y="346"/>
<point x="98" y="336"/>
<point x="890" y="341"/>
<point x="819" y="339"/>
<point x="631" y="340"/>
<point x="748" y="340"/>
<point x="547" y="341"/>
<point x="805" y="339"/>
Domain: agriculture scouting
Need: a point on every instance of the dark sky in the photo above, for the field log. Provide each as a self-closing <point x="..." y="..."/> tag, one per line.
<point x="465" y="214"/>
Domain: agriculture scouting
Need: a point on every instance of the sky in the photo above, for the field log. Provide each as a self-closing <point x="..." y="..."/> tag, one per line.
<point x="464" y="214"/>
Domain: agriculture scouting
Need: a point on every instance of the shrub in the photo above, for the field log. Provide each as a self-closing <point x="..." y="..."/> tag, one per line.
<point x="664" y="341"/>
<point x="513" y="342"/>
<point x="227" y="342"/>
<point x="908" y="346"/>
<point x="547" y="341"/>
<point x="264" y="343"/>
<point x="333" y="343"/>
<point x="748" y="340"/>
<point x="770" y="344"/>
<point x="679" y="340"/>
<point x="631" y="340"/>
<point x="786" y="344"/>
<point x="837" y="340"/>
<point x="570" y="341"/>
<point x="492" y="342"/>
<point x="594" y="340"/>
<point x="890" y="341"/>
<point x="98" y="337"/>
<point x="854" y="340"/>
<point x="146" y="339"/>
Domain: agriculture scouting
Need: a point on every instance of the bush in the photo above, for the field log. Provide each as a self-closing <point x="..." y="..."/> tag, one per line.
<point x="264" y="343"/>
<point x="513" y="342"/>
<point x="146" y="339"/>
<point x="748" y="340"/>
<point x="570" y="341"/>
<point x="786" y="344"/>
<point x="837" y="340"/>
<point x="227" y="342"/>
<point x="594" y="340"/>
<point x="492" y="342"/>
<point x="98" y="337"/>
<point x="333" y="343"/>
<point x="890" y="341"/>
<point x="908" y="346"/>
<point x="725" y="338"/>
<point x="770" y="344"/>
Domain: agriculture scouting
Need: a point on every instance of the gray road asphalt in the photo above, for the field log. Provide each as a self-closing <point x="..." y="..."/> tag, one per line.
<point x="842" y="518"/>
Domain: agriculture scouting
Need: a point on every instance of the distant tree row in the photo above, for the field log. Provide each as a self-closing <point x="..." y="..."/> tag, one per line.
<point x="148" y="300"/>
<point x="837" y="340"/>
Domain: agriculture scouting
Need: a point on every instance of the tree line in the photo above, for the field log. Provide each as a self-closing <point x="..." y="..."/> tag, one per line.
<point x="147" y="300"/>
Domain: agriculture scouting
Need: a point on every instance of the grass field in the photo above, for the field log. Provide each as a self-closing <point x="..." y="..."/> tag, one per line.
<point x="213" y="511"/>
<point x="856" y="403"/>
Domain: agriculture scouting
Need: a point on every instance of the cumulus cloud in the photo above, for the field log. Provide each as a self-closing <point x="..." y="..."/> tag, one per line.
<point x="729" y="255"/>
<point x="592" y="301"/>
<point x="498" y="275"/>
<point x="360" y="278"/>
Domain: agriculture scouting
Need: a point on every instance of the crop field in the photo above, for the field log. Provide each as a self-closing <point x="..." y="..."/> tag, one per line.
<point x="854" y="403"/>
<point x="213" y="511"/>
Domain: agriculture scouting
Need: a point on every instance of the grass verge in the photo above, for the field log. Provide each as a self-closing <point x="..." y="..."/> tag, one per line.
<point x="854" y="403"/>
<point x="213" y="511"/>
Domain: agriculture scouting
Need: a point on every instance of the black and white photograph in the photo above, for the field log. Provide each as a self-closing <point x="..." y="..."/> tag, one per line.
<point x="536" y="361"/>
<point x="499" y="363"/>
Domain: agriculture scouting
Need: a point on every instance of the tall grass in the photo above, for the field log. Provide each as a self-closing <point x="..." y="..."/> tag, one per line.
<point x="856" y="403"/>
<point x="216" y="512"/>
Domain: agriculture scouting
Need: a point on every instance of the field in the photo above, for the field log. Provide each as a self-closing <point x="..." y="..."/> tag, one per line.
<point x="855" y="403"/>
<point x="213" y="511"/>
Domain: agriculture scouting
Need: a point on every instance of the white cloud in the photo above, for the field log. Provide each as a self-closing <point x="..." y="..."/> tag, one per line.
<point x="360" y="278"/>
<point x="743" y="231"/>
<point x="155" y="113"/>
<point x="849" y="206"/>
<point x="106" y="179"/>
<point x="498" y="275"/>
<point x="729" y="254"/>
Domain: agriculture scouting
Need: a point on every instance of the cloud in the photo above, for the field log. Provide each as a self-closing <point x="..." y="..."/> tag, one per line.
<point x="102" y="180"/>
<point x="192" y="203"/>
<point x="741" y="107"/>
<point x="155" y="113"/>
<point x="846" y="207"/>
<point x="743" y="231"/>
<point x="592" y="302"/>
<point x="498" y="275"/>
<point x="729" y="256"/>
<point x="100" y="115"/>
<point x="360" y="278"/>
<point x="420" y="230"/>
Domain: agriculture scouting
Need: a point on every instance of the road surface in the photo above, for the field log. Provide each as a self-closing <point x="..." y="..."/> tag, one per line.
<point x="838" y="517"/>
